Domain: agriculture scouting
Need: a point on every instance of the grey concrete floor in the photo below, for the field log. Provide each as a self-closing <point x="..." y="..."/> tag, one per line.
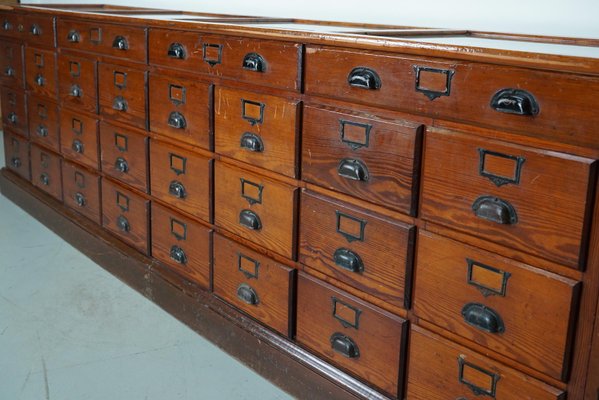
<point x="71" y="331"/>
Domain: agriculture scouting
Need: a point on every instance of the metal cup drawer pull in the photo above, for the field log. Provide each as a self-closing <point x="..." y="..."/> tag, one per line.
<point x="12" y="118"/>
<point x="515" y="101"/>
<point x="120" y="43"/>
<point x="252" y="142"/>
<point x="123" y="224"/>
<point x="76" y="91"/>
<point x="254" y="62"/>
<point x="495" y="209"/>
<point x="42" y="131"/>
<point x="250" y="220"/>
<point x="176" y="120"/>
<point x="73" y="36"/>
<point x="77" y="146"/>
<point x="247" y="294"/>
<point x="348" y="260"/>
<point x="40" y="80"/>
<point x="177" y="189"/>
<point x="364" y="78"/>
<point x="119" y="104"/>
<point x="178" y="255"/>
<point x="9" y="71"/>
<point x="45" y="179"/>
<point x="35" y="30"/>
<point x="79" y="199"/>
<point x="16" y="162"/>
<point x="483" y="318"/>
<point x="344" y="345"/>
<point x="121" y="165"/>
<point x="353" y="169"/>
<point x="176" y="50"/>
<point x="6" y="25"/>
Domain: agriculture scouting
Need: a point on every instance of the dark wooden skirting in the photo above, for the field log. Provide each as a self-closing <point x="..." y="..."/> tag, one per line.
<point x="277" y="359"/>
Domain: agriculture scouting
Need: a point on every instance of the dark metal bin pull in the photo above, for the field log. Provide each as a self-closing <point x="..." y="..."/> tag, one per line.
<point x="178" y="255"/>
<point x="42" y="131"/>
<point x="176" y="120"/>
<point x="252" y="142"/>
<point x="40" y="80"/>
<point x="250" y="220"/>
<point x="515" y="101"/>
<point x="16" y="162"/>
<point x="76" y="91"/>
<point x="121" y="165"/>
<point x="12" y="117"/>
<point x="364" y="78"/>
<point x="348" y="260"/>
<point x="495" y="209"/>
<point x="45" y="179"/>
<point x="119" y="104"/>
<point x="123" y="224"/>
<point x="79" y="199"/>
<point x="254" y="62"/>
<point x="77" y="146"/>
<point x="9" y="71"/>
<point x="247" y="294"/>
<point x="73" y="36"/>
<point x="120" y="43"/>
<point x="353" y="169"/>
<point x="35" y="30"/>
<point x="344" y="345"/>
<point x="176" y="50"/>
<point x="177" y="189"/>
<point x="483" y="318"/>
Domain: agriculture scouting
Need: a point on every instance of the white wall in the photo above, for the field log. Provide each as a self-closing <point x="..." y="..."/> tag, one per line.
<point x="577" y="18"/>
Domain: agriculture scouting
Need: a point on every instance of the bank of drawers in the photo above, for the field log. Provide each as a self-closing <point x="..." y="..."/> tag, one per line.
<point x="223" y="181"/>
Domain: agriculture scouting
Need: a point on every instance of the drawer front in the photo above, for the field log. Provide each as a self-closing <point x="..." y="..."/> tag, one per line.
<point x="124" y="155"/>
<point x="181" y="243"/>
<point x="514" y="309"/>
<point x="43" y="122"/>
<point x="363" y="156"/>
<point x="254" y="283"/>
<point x="258" y="129"/>
<point x="528" y="199"/>
<point x="122" y="94"/>
<point x="81" y="191"/>
<point x="14" y="110"/>
<point x="180" y="108"/>
<point x="16" y="151"/>
<point x="11" y="64"/>
<point x="79" y="138"/>
<point x="77" y="83"/>
<point x="356" y="336"/>
<point x="46" y="171"/>
<point x="39" y="30"/>
<point x="40" y="71"/>
<point x="261" y="62"/>
<point x="441" y="370"/>
<point x="360" y="248"/>
<point x="125" y="214"/>
<point x="257" y="208"/>
<point x="12" y="25"/>
<point x="121" y="41"/>
<point x="181" y="178"/>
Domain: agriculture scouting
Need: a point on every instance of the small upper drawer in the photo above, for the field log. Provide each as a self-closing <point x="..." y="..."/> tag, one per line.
<point x="12" y="25"/>
<point x="16" y="151"/>
<point x="122" y="94"/>
<point x="124" y="155"/>
<point x="181" y="178"/>
<point x="126" y="214"/>
<point x="255" y="207"/>
<point x="480" y="296"/>
<point x="441" y="370"/>
<point x="40" y="71"/>
<point x="14" y="110"/>
<point x="368" y="157"/>
<point x="529" y="199"/>
<point x="121" y="41"/>
<point x="11" y="64"/>
<point x="77" y="83"/>
<point x="81" y="191"/>
<point x="43" y="122"/>
<point x="254" y="283"/>
<point x="46" y="171"/>
<point x="180" y="108"/>
<point x="364" y="340"/>
<point x="79" y="138"/>
<point x="36" y="30"/>
<point x="257" y="128"/>
<point x="181" y="243"/>
<point x="356" y="246"/>
<point x="261" y="62"/>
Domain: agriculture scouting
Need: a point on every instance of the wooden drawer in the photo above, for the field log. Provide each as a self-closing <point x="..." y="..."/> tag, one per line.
<point x="180" y="108"/>
<point x="39" y="30"/>
<point x="125" y="214"/>
<point x="79" y="138"/>
<point x="43" y="122"/>
<point x="368" y="157"/>
<point x="11" y="64"/>
<point x="122" y="94"/>
<point x="254" y="283"/>
<point x="46" y="171"/>
<point x="14" y="110"/>
<point x="182" y="243"/>
<point x="260" y="62"/>
<point x="121" y="41"/>
<point x="181" y="178"/>
<point x="360" y="248"/>
<point x="514" y="309"/>
<point x="12" y="25"/>
<point x="77" y="83"/>
<point x="362" y="339"/>
<point x="441" y="370"/>
<point x="16" y="151"/>
<point x="528" y="199"/>
<point x="124" y="155"/>
<point x="40" y="71"/>
<point x="255" y="207"/>
<point x="81" y="191"/>
<point x="257" y="128"/>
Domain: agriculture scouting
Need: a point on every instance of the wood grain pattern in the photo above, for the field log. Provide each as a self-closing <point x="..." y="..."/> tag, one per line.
<point x="46" y="171"/>
<point x="45" y="28"/>
<point x="14" y="110"/>
<point x="236" y="265"/>
<point x="44" y="124"/>
<point x="16" y="154"/>
<point x="79" y="138"/>
<point x="41" y="72"/>
<point x="11" y="64"/>
<point x="77" y="83"/>
<point x="81" y="191"/>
